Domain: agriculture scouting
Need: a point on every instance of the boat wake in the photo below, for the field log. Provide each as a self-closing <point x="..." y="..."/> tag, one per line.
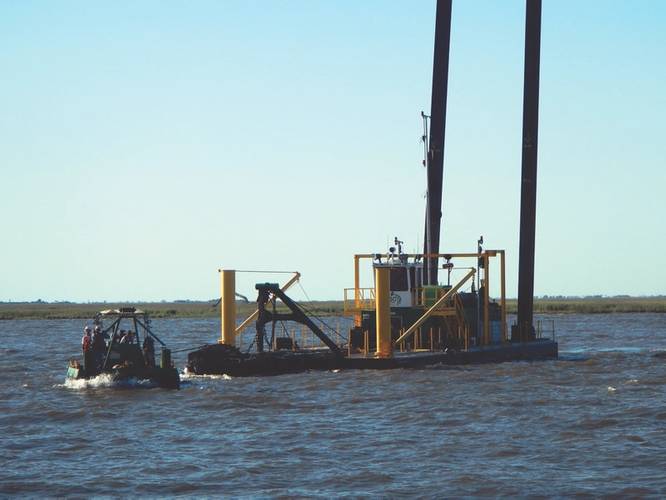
<point x="102" y="380"/>
<point x="188" y="375"/>
<point x="106" y="380"/>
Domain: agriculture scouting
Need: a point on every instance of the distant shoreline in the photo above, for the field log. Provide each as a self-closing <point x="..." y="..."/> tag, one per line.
<point x="209" y="309"/>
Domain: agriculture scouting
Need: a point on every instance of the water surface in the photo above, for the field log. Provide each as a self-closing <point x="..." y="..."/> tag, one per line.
<point x="592" y="422"/>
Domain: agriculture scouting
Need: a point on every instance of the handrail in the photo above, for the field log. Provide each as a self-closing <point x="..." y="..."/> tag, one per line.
<point x="462" y="321"/>
<point x="460" y="316"/>
<point x="429" y="312"/>
<point x="361" y="298"/>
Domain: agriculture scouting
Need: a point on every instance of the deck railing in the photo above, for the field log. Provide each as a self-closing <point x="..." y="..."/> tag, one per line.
<point x="357" y="299"/>
<point x="545" y="327"/>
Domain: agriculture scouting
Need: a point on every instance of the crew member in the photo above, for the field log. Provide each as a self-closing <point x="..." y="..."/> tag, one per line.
<point x="128" y="338"/>
<point x="98" y="330"/>
<point x="117" y="336"/>
<point x="85" y="340"/>
<point x="86" y="346"/>
<point x="98" y="348"/>
<point x="149" y="351"/>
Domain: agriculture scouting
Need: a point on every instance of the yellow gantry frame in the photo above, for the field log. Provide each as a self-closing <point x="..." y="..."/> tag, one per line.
<point x="485" y="255"/>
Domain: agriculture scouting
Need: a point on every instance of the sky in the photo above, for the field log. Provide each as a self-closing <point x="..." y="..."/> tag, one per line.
<point x="144" y="145"/>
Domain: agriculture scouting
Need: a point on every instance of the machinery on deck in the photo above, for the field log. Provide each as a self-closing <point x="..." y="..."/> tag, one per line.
<point x="269" y="293"/>
<point x="456" y="315"/>
<point x="272" y="355"/>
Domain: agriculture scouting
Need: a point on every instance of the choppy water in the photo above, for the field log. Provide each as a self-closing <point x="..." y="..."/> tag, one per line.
<point x="593" y="422"/>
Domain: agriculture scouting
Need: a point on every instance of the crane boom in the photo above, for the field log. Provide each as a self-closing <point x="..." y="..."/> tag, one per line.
<point x="435" y="157"/>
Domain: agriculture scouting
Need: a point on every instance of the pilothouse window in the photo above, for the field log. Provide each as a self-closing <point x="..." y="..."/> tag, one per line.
<point x="399" y="280"/>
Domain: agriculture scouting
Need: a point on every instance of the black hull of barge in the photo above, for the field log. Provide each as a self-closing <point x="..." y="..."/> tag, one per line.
<point x="218" y="359"/>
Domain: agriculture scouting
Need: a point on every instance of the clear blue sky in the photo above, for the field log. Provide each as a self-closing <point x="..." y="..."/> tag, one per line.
<point x="143" y="145"/>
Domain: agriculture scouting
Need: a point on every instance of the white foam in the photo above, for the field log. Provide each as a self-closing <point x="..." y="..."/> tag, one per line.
<point x="106" y="380"/>
<point x="187" y="375"/>
<point x="102" y="380"/>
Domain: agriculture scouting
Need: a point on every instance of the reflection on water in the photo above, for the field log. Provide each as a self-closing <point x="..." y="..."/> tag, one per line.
<point x="593" y="422"/>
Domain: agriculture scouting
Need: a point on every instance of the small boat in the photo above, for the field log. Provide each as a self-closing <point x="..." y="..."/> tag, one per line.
<point x="121" y="354"/>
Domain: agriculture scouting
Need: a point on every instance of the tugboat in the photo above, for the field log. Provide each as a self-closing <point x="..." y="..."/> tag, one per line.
<point x="121" y="353"/>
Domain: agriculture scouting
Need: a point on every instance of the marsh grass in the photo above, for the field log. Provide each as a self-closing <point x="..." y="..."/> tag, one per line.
<point x="179" y="309"/>
<point x="209" y="309"/>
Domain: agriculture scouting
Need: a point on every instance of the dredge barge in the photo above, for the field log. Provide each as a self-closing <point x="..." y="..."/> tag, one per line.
<point x="407" y="318"/>
<point x="399" y="322"/>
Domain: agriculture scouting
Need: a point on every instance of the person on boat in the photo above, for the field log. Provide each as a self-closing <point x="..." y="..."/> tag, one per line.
<point x="128" y="338"/>
<point x="98" y="330"/>
<point x="98" y="347"/>
<point x="149" y="351"/>
<point x="86" y="346"/>
<point x="117" y="336"/>
<point x="85" y="340"/>
<point x="98" y="337"/>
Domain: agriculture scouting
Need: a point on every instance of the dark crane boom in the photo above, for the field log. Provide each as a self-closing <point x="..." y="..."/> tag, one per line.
<point x="435" y="158"/>
<point x="525" y="330"/>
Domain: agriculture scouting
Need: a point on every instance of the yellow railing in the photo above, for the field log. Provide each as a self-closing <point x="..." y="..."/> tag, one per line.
<point x="462" y="322"/>
<point x="357" y="299"/>
<point x="418" y="297"/>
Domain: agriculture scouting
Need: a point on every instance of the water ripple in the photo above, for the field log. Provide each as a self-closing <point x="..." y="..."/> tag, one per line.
<point x="517" y="429"/>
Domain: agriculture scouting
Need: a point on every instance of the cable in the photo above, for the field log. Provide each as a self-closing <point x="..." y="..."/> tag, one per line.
<point x="190" y="349"/>
<point x="267" y="272"/>
<point x="315" y="316"/>
<point x="326" y="325"/>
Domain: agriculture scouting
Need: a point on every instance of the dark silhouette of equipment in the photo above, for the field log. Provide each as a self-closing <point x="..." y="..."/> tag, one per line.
<point x="435" y="156"/>
<point x="524" y="329"/>
<point x="271" y="291"/>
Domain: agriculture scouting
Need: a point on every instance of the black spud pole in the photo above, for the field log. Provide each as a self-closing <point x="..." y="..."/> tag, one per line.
<point x="525" y="329"/>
